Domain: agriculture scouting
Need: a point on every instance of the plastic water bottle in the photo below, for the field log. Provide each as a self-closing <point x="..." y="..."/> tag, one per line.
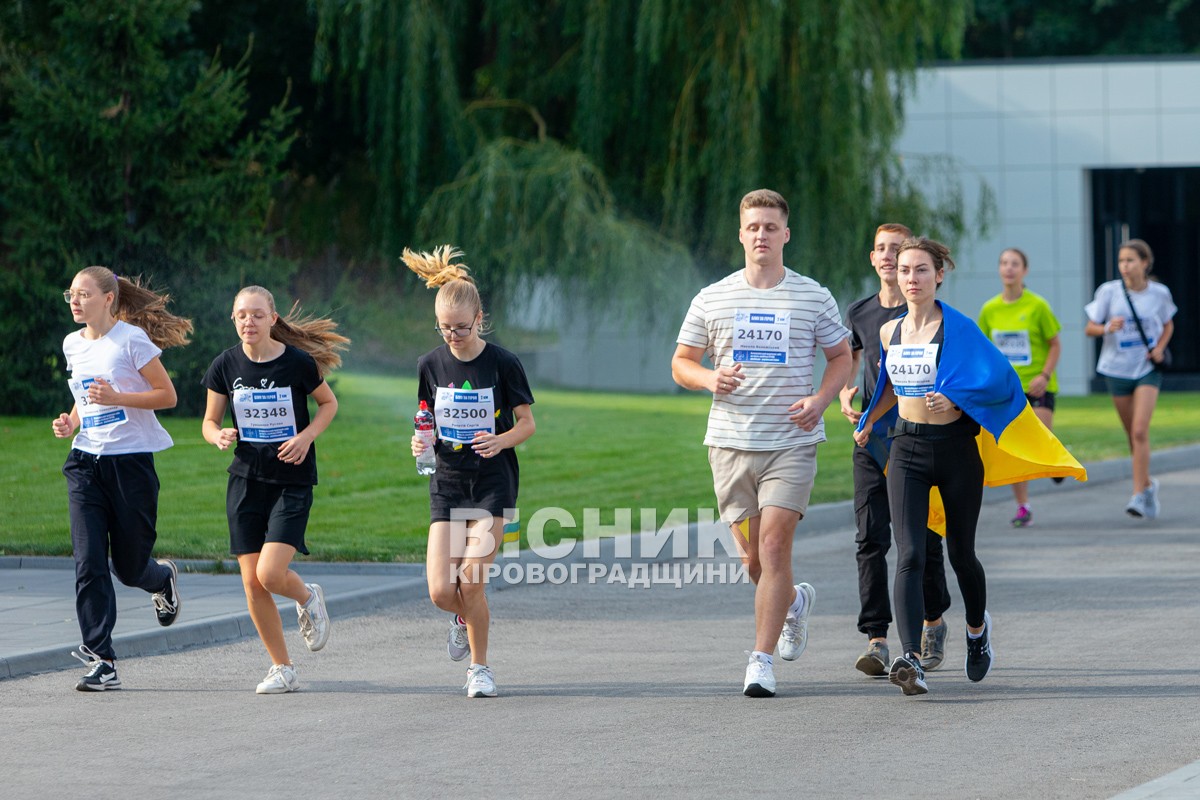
<point x="423" y="425"/>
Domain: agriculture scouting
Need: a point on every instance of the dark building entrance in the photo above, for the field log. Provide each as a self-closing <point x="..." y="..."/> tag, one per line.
<point x="1161" y="206"/>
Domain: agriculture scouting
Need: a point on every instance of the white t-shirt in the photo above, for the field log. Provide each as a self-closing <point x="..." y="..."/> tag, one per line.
<point x="1123" y="354"/>
<point x="116" y="357"/>
<point x="774" y="334"/>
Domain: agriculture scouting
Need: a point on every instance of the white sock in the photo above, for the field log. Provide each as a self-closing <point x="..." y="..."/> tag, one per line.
<point x="974" y="635"/>
<point x="763" y="657"/>
<point x="797" y="607"/>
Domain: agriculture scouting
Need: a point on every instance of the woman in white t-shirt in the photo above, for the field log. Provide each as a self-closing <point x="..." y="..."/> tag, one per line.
<point x="1131" y="357"/>
<point x="118" y="382"/>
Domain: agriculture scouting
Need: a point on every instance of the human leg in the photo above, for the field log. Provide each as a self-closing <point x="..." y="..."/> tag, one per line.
<point x="263" y="611"/>
<point x="483" y="542"/>
<point x="872" y="541"/>
<point x="908" y="484"/>
<point x="95" y="599"/>
<point x="937" y="600"/>
<point x="132" y="485"/>
<point x="1143" y="402"/>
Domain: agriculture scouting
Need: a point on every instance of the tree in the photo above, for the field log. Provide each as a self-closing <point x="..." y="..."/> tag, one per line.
<point x="120" y="146"/>
<point x="491" y="124"/>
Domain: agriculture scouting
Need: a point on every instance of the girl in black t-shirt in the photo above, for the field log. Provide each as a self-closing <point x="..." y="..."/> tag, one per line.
<point x="267" y="381"/>
<point x="481" y="402"/>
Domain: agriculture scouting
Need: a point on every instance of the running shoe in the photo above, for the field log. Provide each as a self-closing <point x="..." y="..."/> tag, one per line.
<point x="933" y="646"/>
<point x="314" y="619"/>
<point x="1151" y="495"/>
<point x="760" y="679"/>
<point x="906" y="673"/>
<point x="794" y="637"/>
<point x="102" y="674"/>
<point x="480" y="682"/>
<point x="1024" y="517"/>
<point x="457" y="643"/>
<point x="281" y="679"/>
<point x="166" y="602"/>
<point x="1137" y="506"/>
<point x="979" y="652"/>
<point x="874" y="660"/>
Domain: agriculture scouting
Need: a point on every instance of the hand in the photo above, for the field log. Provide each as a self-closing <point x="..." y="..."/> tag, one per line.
<point x="1115" y="324"/>
<point x="1155" y="355"/>
<point x="226" y="437"/>
<point x="806" y="413"/>
<point x="860" y="437"/>
<point x="101" y="392"/>
<point x="487" y="445"/>
<point x="846" y="397"/>
<point x="295" y="449"/>
<point x="1037" y="386"/>
<point x="726" y="379"/>
<point x="63" y="427"/>
<point x="937" y="402"/>
<point x="418" y="445"/>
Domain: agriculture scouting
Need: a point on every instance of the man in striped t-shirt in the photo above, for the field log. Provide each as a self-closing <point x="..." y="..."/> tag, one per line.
<point x="760" y="328"/>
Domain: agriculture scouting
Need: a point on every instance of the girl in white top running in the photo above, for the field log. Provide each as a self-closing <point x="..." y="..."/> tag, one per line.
<point x="1131" y="369"/>
<point x="118" y="382"/>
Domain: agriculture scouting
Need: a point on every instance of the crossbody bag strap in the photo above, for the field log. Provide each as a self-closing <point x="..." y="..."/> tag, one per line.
<point x="1136" y="321"/>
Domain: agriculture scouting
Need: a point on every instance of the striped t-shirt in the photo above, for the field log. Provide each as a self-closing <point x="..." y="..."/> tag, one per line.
<point x="755" y="416"/>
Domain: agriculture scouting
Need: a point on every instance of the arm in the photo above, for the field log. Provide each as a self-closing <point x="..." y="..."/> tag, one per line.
<point x="1037" y="386"/>
<point x="160" y="395"/>
<point x="214" y="415"/>
<point x="295" y="449"/>
<point x="689" y="373"/>
<point x="488" y="445"/>
<point x="66" y="424"/>
<point x="883" y="404"/>
<point x="806" y="413"/>
<point x="1099" y="329"/>
<point x="1156" y="355"/>
<point x="846" y="395"/>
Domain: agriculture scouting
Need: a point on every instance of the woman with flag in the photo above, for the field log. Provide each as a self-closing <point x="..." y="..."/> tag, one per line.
<point x="959" y="421"/>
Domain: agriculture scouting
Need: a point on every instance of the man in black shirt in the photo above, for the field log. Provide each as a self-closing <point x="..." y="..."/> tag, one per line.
<point x="871" y="512"/>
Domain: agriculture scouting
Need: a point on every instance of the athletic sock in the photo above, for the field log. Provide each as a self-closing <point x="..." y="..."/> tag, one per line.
<point x="974" y="635"/>
<point x="797" y="607"/>
<point x="458" y="618"/>
<point x="763" y="657"/>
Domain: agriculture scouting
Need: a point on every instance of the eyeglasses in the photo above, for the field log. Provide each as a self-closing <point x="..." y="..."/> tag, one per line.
<point x="457" y="332"/>
<point x="80" y="296"/>
<point x="242" y="319"/>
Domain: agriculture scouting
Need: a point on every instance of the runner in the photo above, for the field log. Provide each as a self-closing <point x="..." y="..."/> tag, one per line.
<point x="871" y="514"/>
<point x="481" y="401"/>
<point x="942" y="380"/>
<point x="760" y="328"/>
<point x="1023" y="326"/>
<point x="118" y="383"/>
<point x="1135" y="316"/>
<point x="280" y="363"/>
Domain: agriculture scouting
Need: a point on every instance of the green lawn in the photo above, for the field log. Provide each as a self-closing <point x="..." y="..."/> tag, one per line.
<point x="592" y="450"/>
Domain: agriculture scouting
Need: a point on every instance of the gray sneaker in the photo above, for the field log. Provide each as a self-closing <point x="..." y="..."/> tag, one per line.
<point x="875" y="660"/>
<point x="1150" y="493"/>
<point x="933" y="646"/>
<point x="1137" y="506"/>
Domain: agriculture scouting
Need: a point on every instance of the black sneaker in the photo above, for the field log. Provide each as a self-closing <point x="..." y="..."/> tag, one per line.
<point x="979" y="652"/>
<point x="906" y="673"/>
<point x="102" y="675"/>
<point x="166" y="602"/>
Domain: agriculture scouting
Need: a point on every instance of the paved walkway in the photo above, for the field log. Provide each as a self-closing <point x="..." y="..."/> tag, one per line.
<point x="1102" y="699"/>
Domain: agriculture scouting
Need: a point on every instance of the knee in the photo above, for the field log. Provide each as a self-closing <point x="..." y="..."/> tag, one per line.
<point x="273" y="581"/>
<point x="444" y="597"/>
<point x="470" y="592"/>
<point x="1140" y="435"/>
<point x="126" y="572"/>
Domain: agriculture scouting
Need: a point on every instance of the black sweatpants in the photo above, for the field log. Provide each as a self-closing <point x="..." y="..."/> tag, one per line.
<point x="113" y="501"/>
<point x="873" y="541"/>
<point x="948" y="459"/>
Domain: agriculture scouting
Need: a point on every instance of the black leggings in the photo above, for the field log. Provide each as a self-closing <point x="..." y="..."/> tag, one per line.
<point x="945" y="456"/>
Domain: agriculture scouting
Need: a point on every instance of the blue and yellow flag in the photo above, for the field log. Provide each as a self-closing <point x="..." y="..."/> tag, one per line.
<point x="1013" y="443"/>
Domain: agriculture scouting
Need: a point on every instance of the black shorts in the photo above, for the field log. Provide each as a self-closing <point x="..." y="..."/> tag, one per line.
<point x="1045" y="401"/>
<point x="266" y="512"/>
<point x="494" y="492"/>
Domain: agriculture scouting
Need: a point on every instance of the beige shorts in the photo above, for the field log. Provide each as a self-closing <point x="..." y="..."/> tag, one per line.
<point x="747" y="481"/>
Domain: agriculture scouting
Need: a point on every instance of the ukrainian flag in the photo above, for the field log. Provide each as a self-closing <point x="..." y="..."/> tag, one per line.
<point x="1013" y="443"/>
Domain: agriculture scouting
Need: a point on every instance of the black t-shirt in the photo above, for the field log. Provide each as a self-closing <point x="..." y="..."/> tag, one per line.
<point x="495" y="368"/>
<point x="262" y="414"/>
<point x="864" y="319"/>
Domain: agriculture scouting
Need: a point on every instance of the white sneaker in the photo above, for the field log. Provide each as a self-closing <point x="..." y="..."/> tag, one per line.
<point x="1137" y="506"/>
<point x="1151" y="495"/>
<point x="280" y="680"/>
<point x="314" y="619"/>
<point x="457" y="643"/>
<point x="794" y="637"/>
<point x="760" y="679"/>
<point x="480" y="682"/>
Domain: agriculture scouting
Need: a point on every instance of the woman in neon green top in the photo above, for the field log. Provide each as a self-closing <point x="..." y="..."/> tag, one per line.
<point x="1025" y="329"/>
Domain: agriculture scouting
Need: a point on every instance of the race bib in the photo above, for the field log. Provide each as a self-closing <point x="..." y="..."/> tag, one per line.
<point x="461" y="413"/>
<point x="761" y="337"/>
<point x="94" y="416"/>
<point x="1015" y="347"/>
<point x="912" y="368"/>
<point x="1130" y="337"/>
<point x="264" y="415"/>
